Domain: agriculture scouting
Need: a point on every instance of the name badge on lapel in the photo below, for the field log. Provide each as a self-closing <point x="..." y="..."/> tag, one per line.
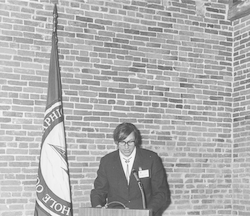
<point x="143" y="173"/>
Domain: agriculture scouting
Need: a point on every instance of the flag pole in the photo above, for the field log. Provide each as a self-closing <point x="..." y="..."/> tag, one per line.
<point x="55" y="22"/>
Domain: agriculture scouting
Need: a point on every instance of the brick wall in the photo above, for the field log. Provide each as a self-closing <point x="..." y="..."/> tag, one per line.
<point x="241" y="120"/>
<point x="165" y="65"/>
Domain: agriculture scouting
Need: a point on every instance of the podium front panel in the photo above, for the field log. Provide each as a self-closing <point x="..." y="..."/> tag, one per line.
<point x="88" y="211"/>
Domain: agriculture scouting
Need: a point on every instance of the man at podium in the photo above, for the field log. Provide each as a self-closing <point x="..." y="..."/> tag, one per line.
<point x="131" y="177"/>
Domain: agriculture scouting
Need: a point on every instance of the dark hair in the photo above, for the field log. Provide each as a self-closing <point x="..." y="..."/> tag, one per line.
<point x="123" y="130"/>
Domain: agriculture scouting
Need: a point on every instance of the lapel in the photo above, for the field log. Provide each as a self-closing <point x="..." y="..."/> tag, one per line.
<point x="118" y="173"/>
<point x="137" y="163"/>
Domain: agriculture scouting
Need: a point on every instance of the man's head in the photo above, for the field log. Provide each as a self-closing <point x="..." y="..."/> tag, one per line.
<point x="127" y="137"/>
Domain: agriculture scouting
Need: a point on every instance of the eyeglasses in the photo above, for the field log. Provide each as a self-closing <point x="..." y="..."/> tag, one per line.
<point x="129" y="143"/>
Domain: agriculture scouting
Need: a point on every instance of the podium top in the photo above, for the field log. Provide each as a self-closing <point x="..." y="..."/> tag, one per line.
<point x="88" y="211"/>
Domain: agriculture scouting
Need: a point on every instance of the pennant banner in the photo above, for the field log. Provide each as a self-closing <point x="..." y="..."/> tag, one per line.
<point x="53" y="187"/>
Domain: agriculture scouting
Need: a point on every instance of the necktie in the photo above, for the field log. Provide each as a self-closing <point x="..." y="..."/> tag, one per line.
<point x="127" y="169"/>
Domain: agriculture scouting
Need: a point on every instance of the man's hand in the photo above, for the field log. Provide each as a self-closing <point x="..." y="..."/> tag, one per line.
<point x="98" y="206"/>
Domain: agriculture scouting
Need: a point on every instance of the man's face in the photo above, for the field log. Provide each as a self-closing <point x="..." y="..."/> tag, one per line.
<point x="126" y="147"/>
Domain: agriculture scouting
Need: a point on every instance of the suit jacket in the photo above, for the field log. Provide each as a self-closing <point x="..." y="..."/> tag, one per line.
<point x="111" y="184"/>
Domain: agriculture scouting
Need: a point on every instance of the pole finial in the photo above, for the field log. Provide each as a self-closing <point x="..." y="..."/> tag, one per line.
<point x="55" y="15"/>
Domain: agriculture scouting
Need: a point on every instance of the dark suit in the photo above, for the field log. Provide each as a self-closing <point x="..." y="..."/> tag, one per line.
<point x="111" y="182"/>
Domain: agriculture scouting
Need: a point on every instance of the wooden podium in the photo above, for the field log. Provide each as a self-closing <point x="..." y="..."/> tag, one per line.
<point x="88" y="211"/>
